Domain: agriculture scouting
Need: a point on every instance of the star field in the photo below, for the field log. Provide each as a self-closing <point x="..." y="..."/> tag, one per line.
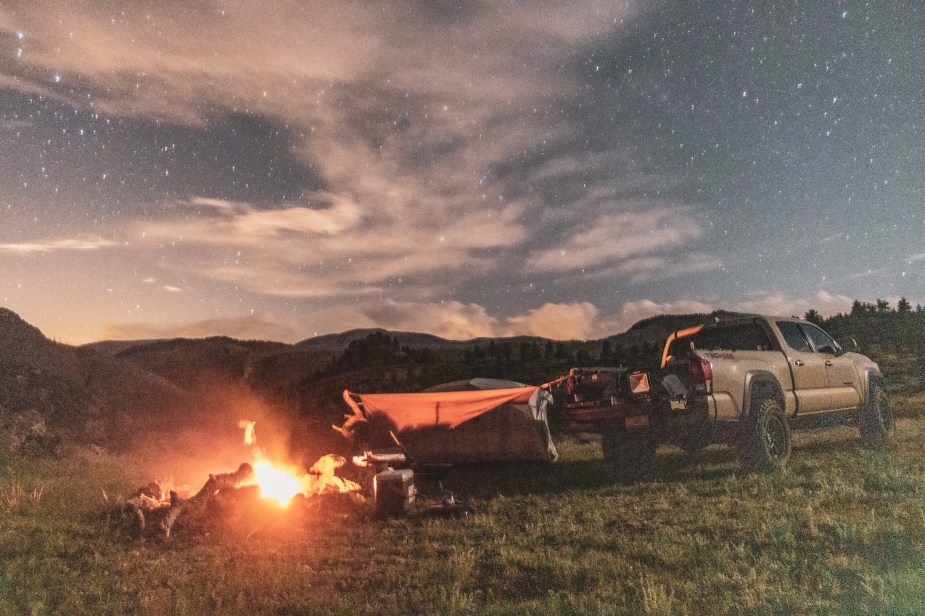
<point x="465" y="170"/>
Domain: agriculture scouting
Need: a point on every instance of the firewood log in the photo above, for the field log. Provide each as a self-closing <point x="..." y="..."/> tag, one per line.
<point x="244" y="474"/>
<point x="150" y="509"/>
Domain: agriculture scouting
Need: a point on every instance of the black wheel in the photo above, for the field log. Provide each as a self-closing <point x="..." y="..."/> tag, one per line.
<point x="764" y="444"/>
<point x="629" y="454"/>
<point x="875" y="419"/>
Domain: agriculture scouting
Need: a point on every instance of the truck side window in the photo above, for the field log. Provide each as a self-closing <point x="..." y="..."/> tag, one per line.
<point x="794" y="337"/>
<point x="821" y="340"/>
<point x="738" y="337"/>
<point x="751" y="337"/>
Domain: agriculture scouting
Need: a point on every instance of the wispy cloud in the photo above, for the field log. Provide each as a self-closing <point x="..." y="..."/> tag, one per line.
<point x="655" y="268"/>
<point x="609" y="238"/>
<point x="417" y="120"/>
<point x="329" y="251"/>
<point x="238" y="222"/>
<point x="443" y="138"/>
<point x="31" y="248"/>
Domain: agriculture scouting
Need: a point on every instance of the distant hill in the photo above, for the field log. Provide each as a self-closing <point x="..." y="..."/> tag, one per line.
<point x="308" y="377"/>
<point x="411" y="340"/>
<point x="114" y="347"/>
<point x="653" y="328"/>
<point x="191" y="362"/>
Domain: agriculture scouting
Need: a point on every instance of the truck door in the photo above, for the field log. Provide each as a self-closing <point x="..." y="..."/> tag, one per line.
<point x="843" y="381"/>
<point x="810" y="377"/>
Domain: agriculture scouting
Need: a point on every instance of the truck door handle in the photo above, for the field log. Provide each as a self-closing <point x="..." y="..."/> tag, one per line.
<point x="798" y="362"/>
<point x="828" y="363"/>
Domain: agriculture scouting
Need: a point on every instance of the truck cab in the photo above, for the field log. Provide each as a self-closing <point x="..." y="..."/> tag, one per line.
<point x="743" y="381"/>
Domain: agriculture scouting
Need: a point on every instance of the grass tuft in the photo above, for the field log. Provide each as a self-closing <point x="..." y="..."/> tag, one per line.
<point x="14" y="496"/>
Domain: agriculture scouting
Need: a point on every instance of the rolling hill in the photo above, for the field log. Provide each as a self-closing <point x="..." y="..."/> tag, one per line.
<point x="411" y="340"/>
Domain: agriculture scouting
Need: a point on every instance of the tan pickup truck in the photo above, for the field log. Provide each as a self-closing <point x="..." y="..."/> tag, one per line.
<point x="744" y="381"/>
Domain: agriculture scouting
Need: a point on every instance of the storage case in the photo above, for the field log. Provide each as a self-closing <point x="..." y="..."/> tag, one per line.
<point x="394" y="492"/>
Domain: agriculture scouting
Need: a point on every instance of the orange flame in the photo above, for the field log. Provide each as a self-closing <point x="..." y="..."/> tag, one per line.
<point x="283" y="483"/>
<point x="250" y="437"/>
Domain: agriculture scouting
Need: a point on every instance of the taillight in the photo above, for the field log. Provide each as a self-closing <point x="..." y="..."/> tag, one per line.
<point x="701" y="375"/>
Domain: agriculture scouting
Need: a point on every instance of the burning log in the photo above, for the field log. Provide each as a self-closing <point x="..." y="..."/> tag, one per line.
<point x="147" y="499"/>
<point x="244" y="474"/>
<point x="151" y="504"/>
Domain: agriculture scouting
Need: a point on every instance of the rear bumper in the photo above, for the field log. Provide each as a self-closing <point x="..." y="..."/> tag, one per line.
<point x="607" y="415"/>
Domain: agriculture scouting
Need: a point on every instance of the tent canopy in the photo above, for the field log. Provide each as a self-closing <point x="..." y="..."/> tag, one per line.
<point x="441" y="408"/>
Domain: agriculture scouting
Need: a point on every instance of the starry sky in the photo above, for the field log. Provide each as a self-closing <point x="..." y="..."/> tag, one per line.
<point x="283" y="170"/>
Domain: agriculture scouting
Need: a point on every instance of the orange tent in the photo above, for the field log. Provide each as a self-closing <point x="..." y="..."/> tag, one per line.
<point x="451" y="426"/>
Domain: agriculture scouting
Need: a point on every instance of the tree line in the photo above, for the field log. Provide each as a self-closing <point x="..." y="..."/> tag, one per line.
<point x="894" y="336"/>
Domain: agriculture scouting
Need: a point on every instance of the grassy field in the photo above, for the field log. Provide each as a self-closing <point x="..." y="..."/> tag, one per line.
<point x="842" y="530"/>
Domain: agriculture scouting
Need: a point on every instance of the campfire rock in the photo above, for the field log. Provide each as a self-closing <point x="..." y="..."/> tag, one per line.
<point x="27" y="432"/>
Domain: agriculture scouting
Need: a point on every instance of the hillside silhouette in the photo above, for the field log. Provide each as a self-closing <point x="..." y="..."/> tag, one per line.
<point x="51" y="392"/>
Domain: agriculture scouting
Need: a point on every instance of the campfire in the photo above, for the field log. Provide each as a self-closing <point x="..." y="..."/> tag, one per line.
<point x="281" y="483"/>
<point x="155" y="509"/>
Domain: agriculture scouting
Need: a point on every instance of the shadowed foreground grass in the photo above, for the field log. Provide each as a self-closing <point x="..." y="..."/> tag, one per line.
<point x="842" y="530"/>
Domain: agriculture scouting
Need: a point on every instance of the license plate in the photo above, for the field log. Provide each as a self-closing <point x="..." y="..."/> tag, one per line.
<point x="639" y="421"/>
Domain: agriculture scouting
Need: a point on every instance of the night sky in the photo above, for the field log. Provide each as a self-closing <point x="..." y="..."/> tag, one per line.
<point x="281" y="170"/>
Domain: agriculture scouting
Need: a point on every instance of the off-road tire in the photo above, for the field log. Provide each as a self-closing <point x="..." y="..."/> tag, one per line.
<point x="628" y="454"/>
<point x="764" y="442"/>
<point x="875" y="418"/>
